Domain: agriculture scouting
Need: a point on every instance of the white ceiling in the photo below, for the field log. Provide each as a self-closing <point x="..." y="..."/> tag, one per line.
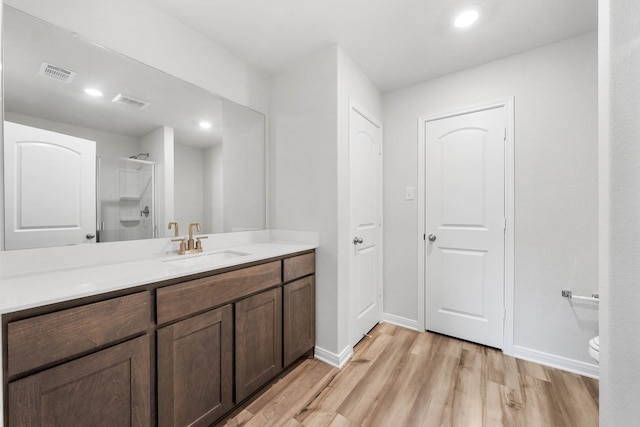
<point x="27" y="42"/>
<point x="396" y="42"/>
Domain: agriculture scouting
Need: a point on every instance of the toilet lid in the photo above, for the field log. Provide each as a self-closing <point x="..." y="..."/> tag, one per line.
<point x="595" y="343"/>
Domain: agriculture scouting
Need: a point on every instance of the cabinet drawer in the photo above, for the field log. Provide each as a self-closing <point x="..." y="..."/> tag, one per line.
<point x="46" y="339"/>
<point x="298" y="266"/>
<point x="183" y="299"/>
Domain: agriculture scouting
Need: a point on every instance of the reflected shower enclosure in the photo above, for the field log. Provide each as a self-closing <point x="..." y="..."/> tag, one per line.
<point x="126" y="199"/>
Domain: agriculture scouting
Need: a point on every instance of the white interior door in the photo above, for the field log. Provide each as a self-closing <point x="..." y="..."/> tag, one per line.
<point x="465" y="224"/>
<point x="365" y="165"/>
<point x="50" y="185"/>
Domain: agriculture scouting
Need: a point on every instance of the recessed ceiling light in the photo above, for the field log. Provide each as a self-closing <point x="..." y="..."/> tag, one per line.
<point x="466" y="18"/>
<point x="205" y="125"/>
<point x="92" y="92"/>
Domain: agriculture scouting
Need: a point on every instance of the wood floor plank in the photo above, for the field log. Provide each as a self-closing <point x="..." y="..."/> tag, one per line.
<point x="540" y="405"/>
<point x="423" y="344"/>
<point x="575" y="400"/>
<point x="317" y="418"/>
<point x="432" y="405"/>
<point x="532" y="369"/>
<point x="503" y="370"/>
<point x="394" y="404"/>
<point x="594" y="390"/>
<point x="469" y="395"/>
<point x="503" y="408"/>
<point x="399" y="377"/>
<point x="449" y="346"/>
<point x="366" y="353"/>
<point x="340" y="421"/>
<point x="293" y="396"/>
<point x="363" y="398"/>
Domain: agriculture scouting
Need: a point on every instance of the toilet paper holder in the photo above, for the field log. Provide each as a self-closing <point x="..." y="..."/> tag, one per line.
<point x="569" y="294"/>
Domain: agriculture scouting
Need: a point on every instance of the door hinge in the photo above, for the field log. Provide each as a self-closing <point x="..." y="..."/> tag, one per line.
<point x="424" y="236"/>
<point x="505" y="134"/>
<point x="504" y="224"/>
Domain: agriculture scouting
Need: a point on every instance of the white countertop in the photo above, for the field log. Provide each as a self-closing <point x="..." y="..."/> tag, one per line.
<point x="36" y="277"/>
<point x="28" y="290"/>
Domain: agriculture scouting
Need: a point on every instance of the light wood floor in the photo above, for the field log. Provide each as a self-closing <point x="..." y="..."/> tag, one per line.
<point x="400" y="377"/>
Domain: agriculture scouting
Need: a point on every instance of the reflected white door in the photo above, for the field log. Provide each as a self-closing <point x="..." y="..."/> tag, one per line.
<point x="465" y="225"/>
<point x="365" y="165"/>
<point x="50" y="185"/>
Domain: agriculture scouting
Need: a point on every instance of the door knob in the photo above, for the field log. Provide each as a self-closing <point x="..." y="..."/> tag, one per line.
<point x="357" y="240"/>
<point x="90" y="236"/>
<point x="432" y="237"/>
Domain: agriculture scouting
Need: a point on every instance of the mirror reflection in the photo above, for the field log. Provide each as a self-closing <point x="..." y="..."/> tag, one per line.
<point x="99" y="147"/>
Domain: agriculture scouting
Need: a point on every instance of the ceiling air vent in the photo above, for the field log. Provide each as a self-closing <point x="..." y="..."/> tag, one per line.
<point x="56" y="73"/>
<point x="130" y="102"/>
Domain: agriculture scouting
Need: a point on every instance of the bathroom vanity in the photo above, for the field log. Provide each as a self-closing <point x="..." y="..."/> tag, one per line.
<point x="182" y="350"/>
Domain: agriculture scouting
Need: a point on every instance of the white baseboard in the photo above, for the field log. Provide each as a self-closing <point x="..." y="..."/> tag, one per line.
<point x="587" y="369"/>
<point x="400" y="321"/>
<point x="333" y="359"/>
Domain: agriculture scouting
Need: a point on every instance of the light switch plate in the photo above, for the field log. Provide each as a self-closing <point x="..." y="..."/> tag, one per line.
<point x="409" y="193"/>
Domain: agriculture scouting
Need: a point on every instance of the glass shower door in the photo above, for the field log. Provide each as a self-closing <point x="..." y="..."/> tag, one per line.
<point x="126" y="199"/>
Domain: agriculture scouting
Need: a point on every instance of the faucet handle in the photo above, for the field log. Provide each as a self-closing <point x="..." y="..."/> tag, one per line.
<point x="183" y="245"/>
<point x="198" y="242"/>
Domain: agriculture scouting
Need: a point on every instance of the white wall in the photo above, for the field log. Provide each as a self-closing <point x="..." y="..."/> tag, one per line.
<point x="619" y="48"/>
<point x="160" y="146"/>
<point x="107" y="144"/>
<point x="303" y="171"/>
<point x="309" y="174"/>
<point x="188" y="186"/>
<point x="244" y="169"/>
<point x="213" y="193"/>
<point x="556" y="184"/>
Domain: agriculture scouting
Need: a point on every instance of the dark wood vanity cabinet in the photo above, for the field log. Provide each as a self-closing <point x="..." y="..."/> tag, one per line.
<point x="78" y="365"/>
<point x="258" y="341"/>
<point x="195" y="369"/>
<point x="299" y="306"/>
<point x="299" y="318"/>
<point x="167" y="354"/>
<point x="110" y="388"/>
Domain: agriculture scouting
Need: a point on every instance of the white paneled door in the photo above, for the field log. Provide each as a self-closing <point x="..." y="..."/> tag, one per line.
<point x="50" y="187"/>
<point x="465" y="226"/>
<point x="365" y="165"/>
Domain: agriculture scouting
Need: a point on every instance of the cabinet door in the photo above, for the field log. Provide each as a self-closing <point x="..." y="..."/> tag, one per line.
<point x="110" y="387"/>
<point x="258" y="341"/>
<point x="195" y="369"/>
<point x="299" y="318"/>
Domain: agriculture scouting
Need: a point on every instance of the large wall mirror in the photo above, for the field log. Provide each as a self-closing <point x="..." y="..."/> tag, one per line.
<point x="100" y="147"/>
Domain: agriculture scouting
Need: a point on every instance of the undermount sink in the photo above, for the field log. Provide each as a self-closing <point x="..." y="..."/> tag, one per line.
<point x="211" y="259"/>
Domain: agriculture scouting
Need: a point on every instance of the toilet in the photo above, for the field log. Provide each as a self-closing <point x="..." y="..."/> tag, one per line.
<point x="594" y="348"/>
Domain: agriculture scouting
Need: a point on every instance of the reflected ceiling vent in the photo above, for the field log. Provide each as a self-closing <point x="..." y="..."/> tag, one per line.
<point x="56" y="73"/>
<point x="130" y="102"/>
